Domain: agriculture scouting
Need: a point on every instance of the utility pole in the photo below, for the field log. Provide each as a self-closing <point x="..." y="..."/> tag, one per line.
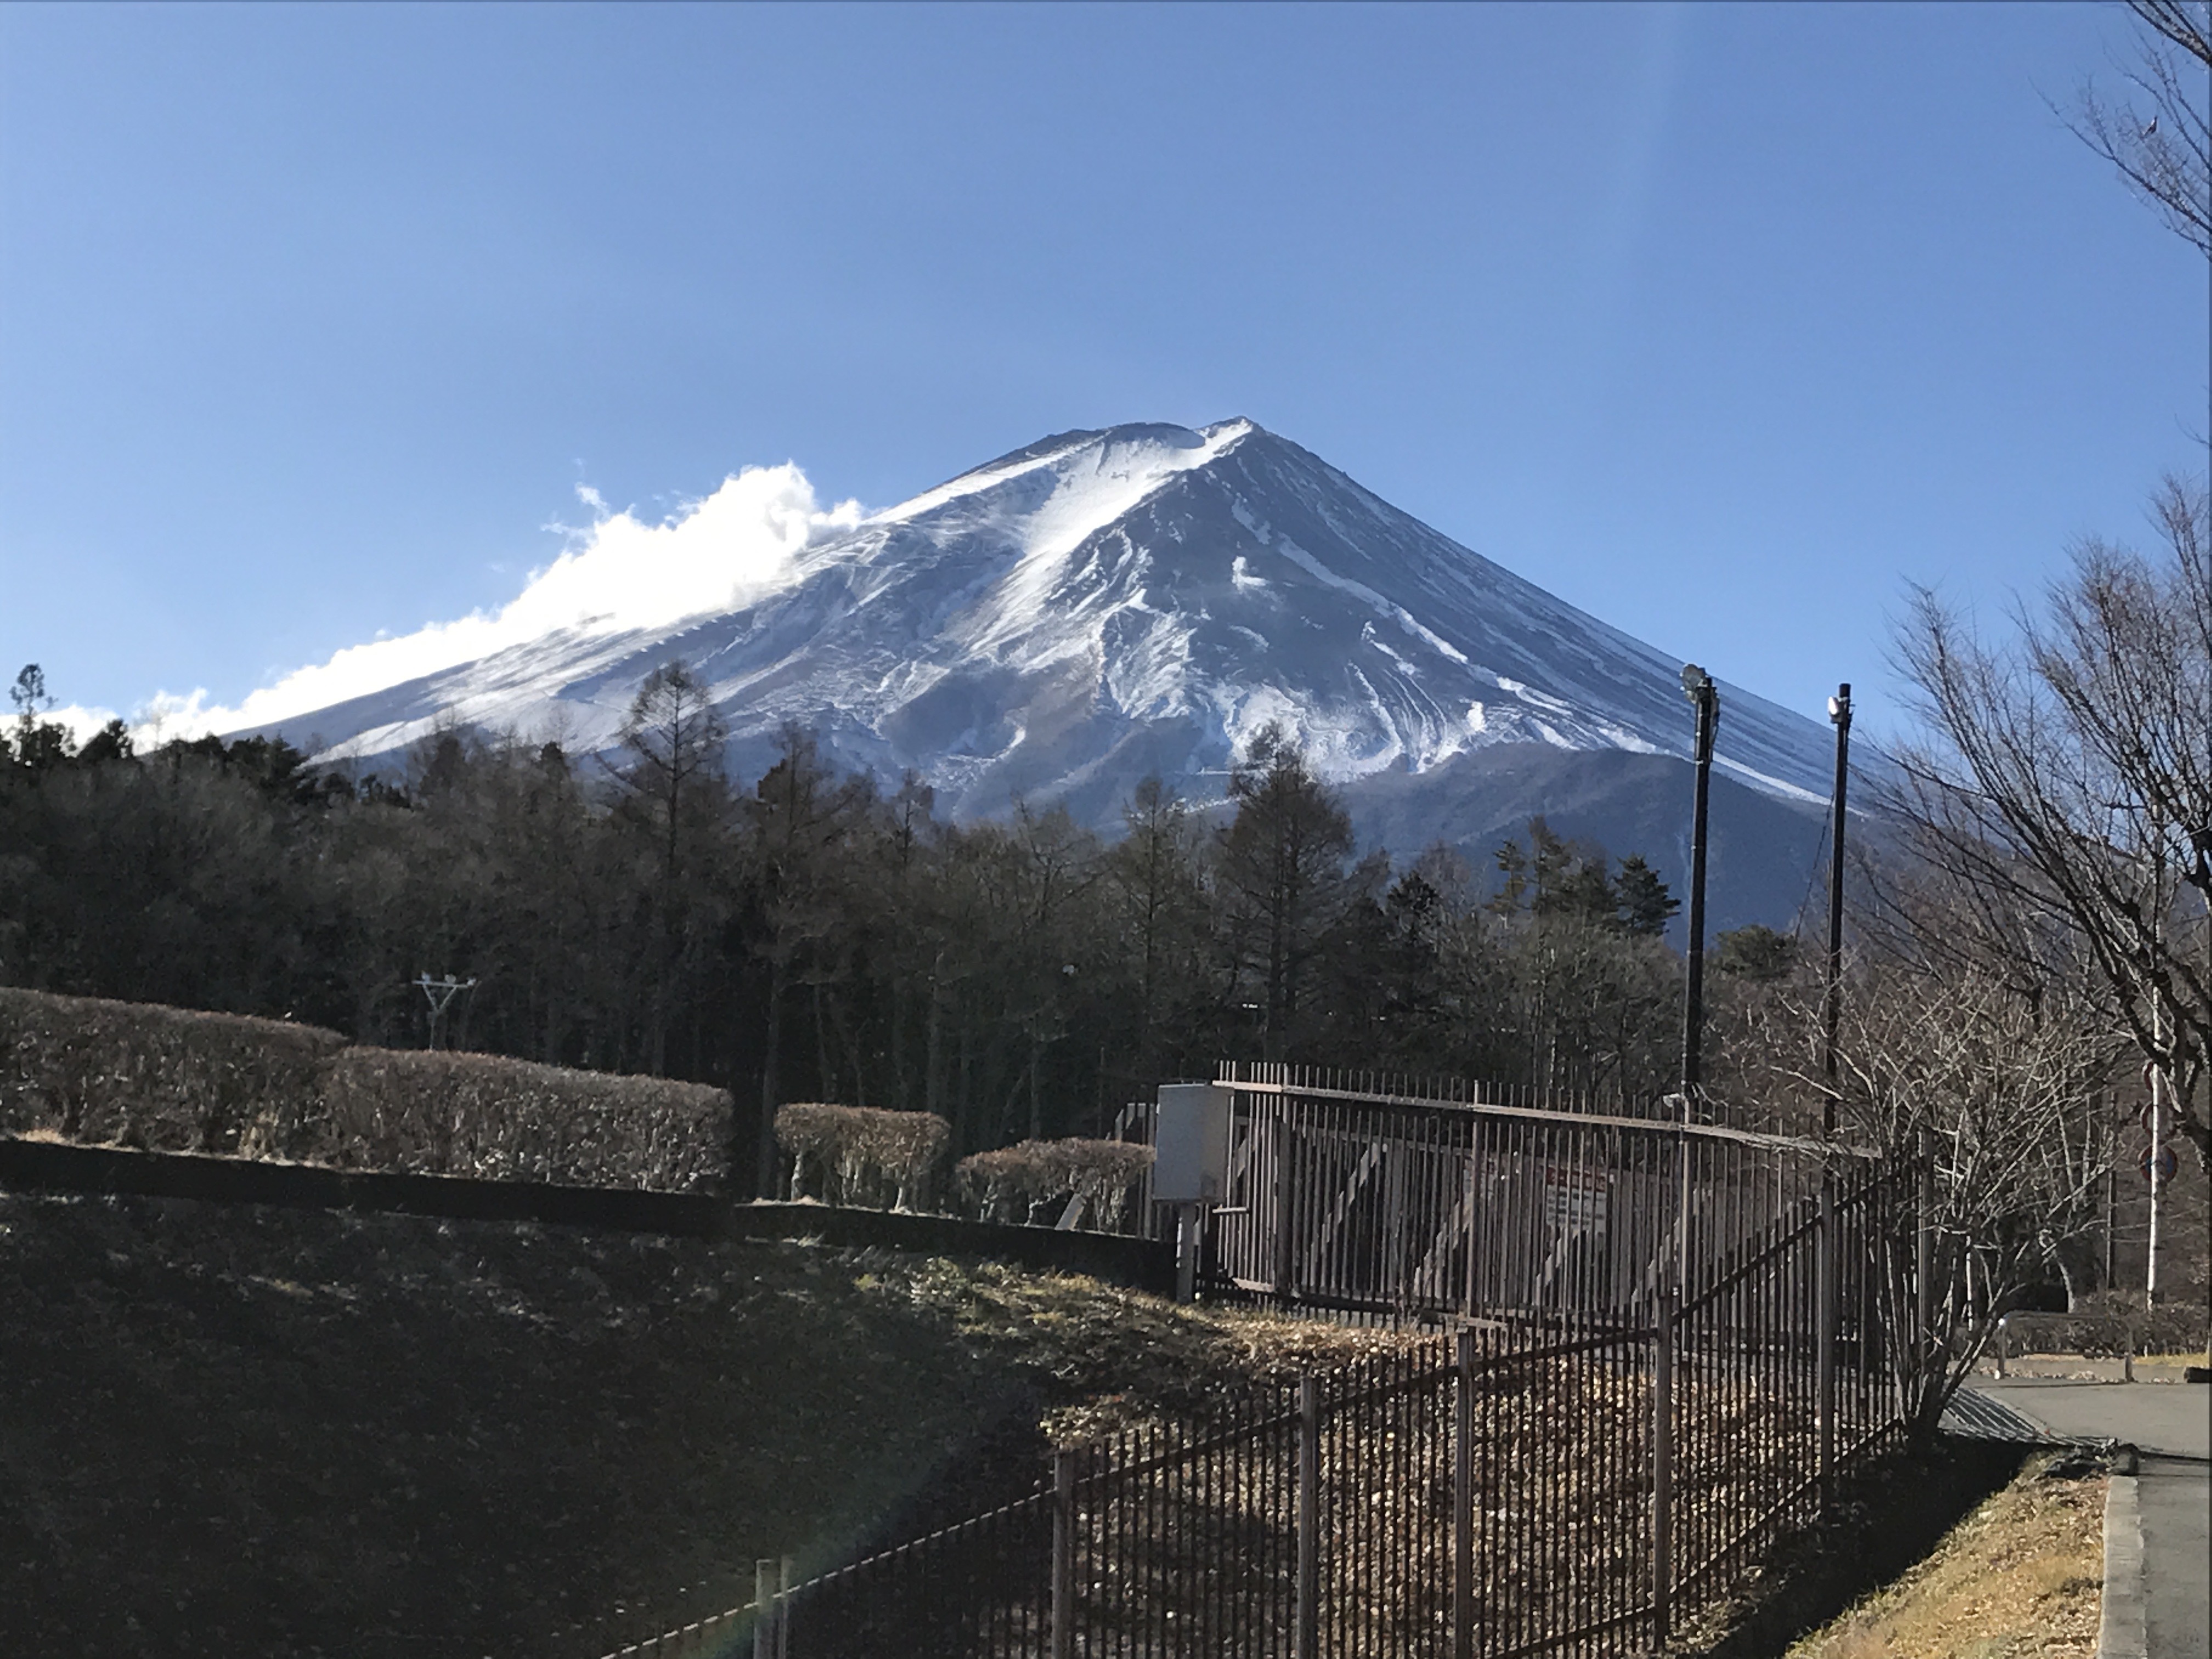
<point x="1840" y="712"/>
<point x="1826" y="1287"/>
<point x="1699" y="687"/>
<point x="441" y="992"/>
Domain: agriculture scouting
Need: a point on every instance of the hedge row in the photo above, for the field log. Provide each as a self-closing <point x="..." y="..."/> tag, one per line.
<point x="862" y="1154"/>
<point x="170" y="1080"/>
<point x="1033" y="1173"/>
<point x="872" y="1158"/>
<point x="2112" y="1324"/>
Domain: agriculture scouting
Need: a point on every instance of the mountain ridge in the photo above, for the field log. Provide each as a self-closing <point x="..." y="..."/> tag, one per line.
<point x="1105" y="603"/>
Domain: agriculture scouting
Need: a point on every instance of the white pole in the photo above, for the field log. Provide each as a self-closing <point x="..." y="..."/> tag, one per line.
<point x="2157" y="1134"/>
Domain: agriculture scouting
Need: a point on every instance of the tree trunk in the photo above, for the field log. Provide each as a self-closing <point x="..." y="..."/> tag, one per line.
<point x="770" y="1083"/>
<point x="1036" y="1096"/>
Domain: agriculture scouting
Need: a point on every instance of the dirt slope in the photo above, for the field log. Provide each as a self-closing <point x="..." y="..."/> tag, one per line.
<point x="239" y="1430"/>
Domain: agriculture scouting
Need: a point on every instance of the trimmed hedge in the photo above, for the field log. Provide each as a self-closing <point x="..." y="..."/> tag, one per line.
<point x="137" y="1074"/>
<point x="1037" y="1172"/>
<point x="171" y="1079"/>
<point x="862" y="1152"/>
<point x="2112" y="1324"/>
<point x="441" y="1112"/>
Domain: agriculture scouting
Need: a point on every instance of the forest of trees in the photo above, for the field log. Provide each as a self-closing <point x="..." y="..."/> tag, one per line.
<point x="809" y="936"/>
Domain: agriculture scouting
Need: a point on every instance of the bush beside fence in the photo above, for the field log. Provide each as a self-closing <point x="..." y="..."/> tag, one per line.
<point x="172" y="1080"/>
<point x="1012" y="1182"/>
<point x="862" y="1155"/>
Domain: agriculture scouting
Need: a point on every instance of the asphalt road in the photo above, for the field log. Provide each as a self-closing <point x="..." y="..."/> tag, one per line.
<point x="2170" y="1424"/>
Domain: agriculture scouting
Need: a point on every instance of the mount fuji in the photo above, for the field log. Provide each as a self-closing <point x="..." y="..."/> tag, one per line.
<point x="1060" y="622"/>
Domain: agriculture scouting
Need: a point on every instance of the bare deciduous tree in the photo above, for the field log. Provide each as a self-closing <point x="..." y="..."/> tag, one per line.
<point x="1993" y="1090"/>
<point x="675" y="789"/>
<point x="2066" y="778"/>
<point x="2158" y="134"/>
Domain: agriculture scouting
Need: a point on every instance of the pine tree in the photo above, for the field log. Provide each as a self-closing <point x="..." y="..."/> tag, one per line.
<point x="1283" y="861"/>
<point x="1645" y="905"/>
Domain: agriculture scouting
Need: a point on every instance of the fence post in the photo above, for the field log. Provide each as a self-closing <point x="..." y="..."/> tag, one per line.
<point x="1190" y="1237"/>
<point x="1393" y="1221"/>
<point x="1063" y="1553"/>
<point x="1306" y="1638"/>
<point x="786" y="1581"/>
<point x="1828" y="1249"/>
<point x="765" y="1608"/>
<point x="1923" y="1266"/>
<point x="1463" y="1501"/>
<point x="1662" y="1469"/>
<point x="1285" y="1195"/>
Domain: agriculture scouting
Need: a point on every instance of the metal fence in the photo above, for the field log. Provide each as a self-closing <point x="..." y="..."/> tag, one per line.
<point x="1448" y="1206"/>
<point x="1671" y="1344"/>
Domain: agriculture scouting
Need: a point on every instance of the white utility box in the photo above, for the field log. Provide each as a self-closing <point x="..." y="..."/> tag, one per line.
<point x="1190" y="1143"/>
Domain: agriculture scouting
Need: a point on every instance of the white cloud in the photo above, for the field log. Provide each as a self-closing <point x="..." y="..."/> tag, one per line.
<point x="81" y="720"/>
<point x="736" y="545"/>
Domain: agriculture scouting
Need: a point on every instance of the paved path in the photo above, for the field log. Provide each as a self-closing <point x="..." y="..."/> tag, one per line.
<point x="2170" y="1424"/>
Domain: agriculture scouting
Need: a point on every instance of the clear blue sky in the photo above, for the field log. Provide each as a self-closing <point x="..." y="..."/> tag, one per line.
<point x="1719" y="321"/>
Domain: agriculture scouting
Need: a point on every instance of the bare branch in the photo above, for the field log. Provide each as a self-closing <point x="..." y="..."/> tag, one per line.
<point x="2160" y="138"/>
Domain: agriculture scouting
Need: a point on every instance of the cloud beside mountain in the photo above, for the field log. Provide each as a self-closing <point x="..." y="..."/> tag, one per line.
<point x="620" y="573"/>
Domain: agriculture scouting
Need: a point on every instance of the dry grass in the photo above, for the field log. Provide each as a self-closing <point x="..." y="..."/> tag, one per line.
<point x="243" y="1429"/>
<point x="1118" y="1356"/>
<point x="2022" y="1575"/>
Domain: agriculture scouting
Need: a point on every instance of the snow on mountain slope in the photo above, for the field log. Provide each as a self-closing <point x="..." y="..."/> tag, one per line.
<point x="1100" y="604"/>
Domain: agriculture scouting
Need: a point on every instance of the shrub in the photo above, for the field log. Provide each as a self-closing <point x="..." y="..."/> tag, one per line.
<point x="441" y="1112"/>
<point x="165" y="1080"/>
<point x="1039" y="1172"/>
<point x="2111" y="1322"/>
<point x="865" y="1154"/>
<point x="171" y="1079"/>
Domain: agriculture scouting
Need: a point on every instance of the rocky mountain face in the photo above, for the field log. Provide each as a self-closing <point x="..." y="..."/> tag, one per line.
<point x="1064" y="620"/>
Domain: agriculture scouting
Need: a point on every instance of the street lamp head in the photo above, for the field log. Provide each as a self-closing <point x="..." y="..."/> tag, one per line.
<point x="1839" y="705"/>
<point x="1696" y="682"/>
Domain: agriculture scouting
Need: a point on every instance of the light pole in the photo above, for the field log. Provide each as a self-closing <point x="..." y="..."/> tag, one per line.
<point x="1840" y="712"/>
<point x="1698" y="686"/>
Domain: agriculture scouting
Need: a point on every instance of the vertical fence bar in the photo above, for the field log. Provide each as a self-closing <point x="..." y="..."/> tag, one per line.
<point x="1063" y="1554"/>
<point x="1923" y="1269"/>
<point x="1285" y="1191"/>
<point x="1824" y="1364"/>
<point x="764" y="1591"/>
<point x="1662" y="1467"/>
<point x="1306" y="1640"/>
<point x="1463" y="1498"/>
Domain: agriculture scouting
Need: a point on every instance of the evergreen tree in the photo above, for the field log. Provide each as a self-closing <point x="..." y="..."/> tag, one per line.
<point x="1645" y="905"/>
<point x="1284" y="861"/>
<point x="1755" y="953"/>
<point x="1157" y="892"/>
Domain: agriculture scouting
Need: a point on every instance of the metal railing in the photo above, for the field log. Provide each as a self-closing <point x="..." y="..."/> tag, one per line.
<point x="1448" y="1207"/>
<point x="1672" y="1345"/>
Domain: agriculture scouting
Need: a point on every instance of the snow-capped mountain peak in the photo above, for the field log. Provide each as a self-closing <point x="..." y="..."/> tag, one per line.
<point x="1100" y="604"/>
